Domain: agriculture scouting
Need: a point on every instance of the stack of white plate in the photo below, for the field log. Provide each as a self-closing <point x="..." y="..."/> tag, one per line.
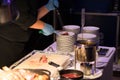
<point x="72" y="28"/>
<point x="92" y="30"/>
<point x="65" y="41"/>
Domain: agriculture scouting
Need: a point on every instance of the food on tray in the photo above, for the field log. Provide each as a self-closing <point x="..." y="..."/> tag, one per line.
<point x="43" y="59"/>
<point x="20" y="74"/>
<point x="65" y="33"/>
<point x="40" y="61"/>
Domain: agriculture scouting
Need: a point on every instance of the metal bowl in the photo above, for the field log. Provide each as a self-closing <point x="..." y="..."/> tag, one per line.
<point x="41" y="72"/>
<point x="71" y="74"/>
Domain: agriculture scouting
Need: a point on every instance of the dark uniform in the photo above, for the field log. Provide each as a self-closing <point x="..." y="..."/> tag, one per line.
<point x="14" y="34"/>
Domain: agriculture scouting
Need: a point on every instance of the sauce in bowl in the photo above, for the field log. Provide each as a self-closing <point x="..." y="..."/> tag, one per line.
<point x="71" y="75"/>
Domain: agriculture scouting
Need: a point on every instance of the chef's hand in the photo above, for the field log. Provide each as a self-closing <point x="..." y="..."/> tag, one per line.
<point x="47" y="30"/>
<point x="52" y="4"/>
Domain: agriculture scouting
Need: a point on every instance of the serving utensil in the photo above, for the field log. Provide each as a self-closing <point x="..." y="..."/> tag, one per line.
<point x="58" y="14"/>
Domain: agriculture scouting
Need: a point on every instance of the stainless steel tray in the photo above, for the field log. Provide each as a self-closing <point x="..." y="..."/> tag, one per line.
<point x="24" y="58"/>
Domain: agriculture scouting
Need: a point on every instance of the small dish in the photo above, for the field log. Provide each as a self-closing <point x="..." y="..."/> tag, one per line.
<point x="71" y="74"/>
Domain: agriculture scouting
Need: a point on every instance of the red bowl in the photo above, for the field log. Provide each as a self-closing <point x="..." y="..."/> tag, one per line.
<point x="71" y="74"/>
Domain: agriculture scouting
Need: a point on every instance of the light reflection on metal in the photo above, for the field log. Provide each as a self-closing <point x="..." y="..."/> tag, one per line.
<point x="6" y="2"/>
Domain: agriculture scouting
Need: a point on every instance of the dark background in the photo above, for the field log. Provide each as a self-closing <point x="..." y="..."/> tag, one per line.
<point x="70" y="14"/>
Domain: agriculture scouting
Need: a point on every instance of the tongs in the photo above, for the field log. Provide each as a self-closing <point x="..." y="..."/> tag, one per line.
<point x="58" y="14"/>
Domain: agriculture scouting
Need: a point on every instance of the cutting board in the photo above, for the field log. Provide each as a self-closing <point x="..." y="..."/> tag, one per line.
<point x="33" y="62"/>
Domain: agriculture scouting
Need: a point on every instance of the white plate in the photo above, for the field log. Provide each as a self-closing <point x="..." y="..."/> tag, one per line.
<point x="100" y="64"/>
<point x="96" y="75"/>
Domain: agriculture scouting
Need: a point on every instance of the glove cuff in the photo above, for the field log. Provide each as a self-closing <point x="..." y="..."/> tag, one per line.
<point x="47" y="30"/>
<point x="52" y="4"/>
<point x="49" y="7"/>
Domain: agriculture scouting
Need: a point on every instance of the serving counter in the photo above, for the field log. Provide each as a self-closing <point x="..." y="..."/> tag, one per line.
<point x="104" y="64"/>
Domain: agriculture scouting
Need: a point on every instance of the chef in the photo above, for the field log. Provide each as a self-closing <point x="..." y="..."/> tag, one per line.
<point x="18" y="18"/>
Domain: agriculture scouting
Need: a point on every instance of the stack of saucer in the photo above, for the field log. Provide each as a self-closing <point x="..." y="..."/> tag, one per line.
<point x="65" y="41"/>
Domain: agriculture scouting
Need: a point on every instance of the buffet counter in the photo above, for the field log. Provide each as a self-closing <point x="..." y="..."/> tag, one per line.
<point x="104" y="64"/>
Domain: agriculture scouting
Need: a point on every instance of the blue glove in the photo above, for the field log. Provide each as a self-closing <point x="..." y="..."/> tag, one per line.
<point x="47" y="30"/>
<point x="52" y="4"/>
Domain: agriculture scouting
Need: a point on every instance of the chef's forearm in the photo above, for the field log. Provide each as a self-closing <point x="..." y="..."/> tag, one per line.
<point x="38" y="25"/>
<point x="42" y="12"/>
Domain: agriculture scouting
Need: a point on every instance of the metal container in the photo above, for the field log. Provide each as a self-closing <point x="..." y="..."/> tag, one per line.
<point x="70" y="74"/>
<point x="88" y="39"/>
<point x="41" y="72"/>
<point x="86" y="53"/>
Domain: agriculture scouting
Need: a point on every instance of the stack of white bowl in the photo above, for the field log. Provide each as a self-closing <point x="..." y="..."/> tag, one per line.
<point x="87" y="39"/>
<point x="90" y="45"/>
<point x="72" y="28"/>
<point x="86" y="36"/>
<point x="65" y="41"/>
<point x="91" y="29"/>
